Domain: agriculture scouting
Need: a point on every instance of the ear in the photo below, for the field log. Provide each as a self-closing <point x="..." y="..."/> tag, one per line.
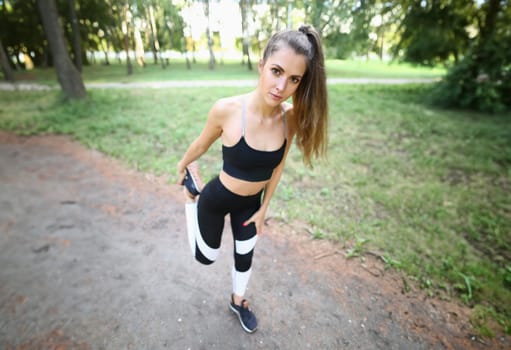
<point x="260" y="66"/>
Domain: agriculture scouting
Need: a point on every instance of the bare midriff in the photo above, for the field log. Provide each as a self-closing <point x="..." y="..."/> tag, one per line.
<point x="241" y="187"/>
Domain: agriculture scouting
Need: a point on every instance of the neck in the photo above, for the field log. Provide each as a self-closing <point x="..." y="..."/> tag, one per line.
<point x="257" y="104"/>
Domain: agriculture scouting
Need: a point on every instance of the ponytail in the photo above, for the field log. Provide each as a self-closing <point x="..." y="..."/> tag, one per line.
<point x="310" y="100"/>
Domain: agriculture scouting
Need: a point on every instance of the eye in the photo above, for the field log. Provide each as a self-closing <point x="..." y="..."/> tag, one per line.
<point x="275" y="71"/>
<point x="295" y="80"/>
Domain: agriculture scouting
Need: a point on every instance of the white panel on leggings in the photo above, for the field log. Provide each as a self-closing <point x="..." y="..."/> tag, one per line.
<point x="192" y="226"/>
<point x="206" y="250"/>
<point x="194" y="231"/>
<point x="240" y="281"/>
<point x="244" y="247"/>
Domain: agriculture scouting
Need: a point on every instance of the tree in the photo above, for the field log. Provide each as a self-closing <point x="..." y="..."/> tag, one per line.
<point x="21" y="31"/>
<point x="77" y="42"/>
<point x="482" y="78"/>
<point x="127" y="33"/>
<point x="4" y="62"/>
<point x="99" y="24"/>
<point x="212" y="61"/>
<point x="320" y="13"/>
<point x="347" y="26"/>
<point x="244" y="8"/>
<point x="68" y="76"/>
<point x="174" y="36"/>
<point x="434" y="31"/>
<point x="155" y="44"/>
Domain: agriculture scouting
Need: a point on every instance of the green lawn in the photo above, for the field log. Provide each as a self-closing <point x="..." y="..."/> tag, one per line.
<point x="227" y="70"/>
<point x="377" y="69"/>
<point x="429" y="190"/>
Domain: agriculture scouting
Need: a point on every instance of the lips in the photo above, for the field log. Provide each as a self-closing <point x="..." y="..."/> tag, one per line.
<point x="275" y="97"/>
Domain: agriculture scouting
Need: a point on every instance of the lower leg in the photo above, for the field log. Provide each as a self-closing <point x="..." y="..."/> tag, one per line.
<point x="239" y="284"/>
<point x="239" y="305"/>
<point x="191" y="223"/>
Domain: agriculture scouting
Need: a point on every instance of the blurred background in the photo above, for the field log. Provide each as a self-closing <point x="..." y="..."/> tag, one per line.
<point x="469" y="38"/>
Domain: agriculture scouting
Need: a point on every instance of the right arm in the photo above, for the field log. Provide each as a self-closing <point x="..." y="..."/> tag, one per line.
<point x="210" y="133"/>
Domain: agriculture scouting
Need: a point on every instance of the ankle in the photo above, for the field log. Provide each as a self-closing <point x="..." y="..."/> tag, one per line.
<point x="236" y="299"/>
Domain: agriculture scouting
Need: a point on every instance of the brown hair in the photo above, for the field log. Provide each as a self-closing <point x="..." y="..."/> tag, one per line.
<point x="310" y="100"/>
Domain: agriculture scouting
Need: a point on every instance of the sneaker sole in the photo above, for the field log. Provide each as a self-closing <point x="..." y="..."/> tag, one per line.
<point x="241" y="322"/>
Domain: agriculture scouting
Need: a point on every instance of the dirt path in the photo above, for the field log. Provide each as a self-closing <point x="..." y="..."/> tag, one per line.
<point x="94" y="256"/>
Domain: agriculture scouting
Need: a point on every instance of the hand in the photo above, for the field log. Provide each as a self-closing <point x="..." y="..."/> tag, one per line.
<point x="258" y="220"/>
<point x="180" y="174"/>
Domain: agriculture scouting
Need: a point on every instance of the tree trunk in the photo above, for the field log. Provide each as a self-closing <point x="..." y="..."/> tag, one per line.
<point x="246" y="36"/>
<point x="105" y="52"/>
<point x="68" y="76"/>
<point x="77" y="42"/>
<point x="126" y="32"/>
<point x="491" y="10"/>
<point x="6" y="66"/>
<point x="155" y="44"/>
<point x="139" y="46"/>
<point x="212" y="61"/>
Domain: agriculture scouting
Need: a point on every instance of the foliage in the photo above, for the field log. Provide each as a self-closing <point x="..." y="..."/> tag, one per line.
<point x="21" y="30"/>
<point x="357" y="249"/>
<point x="434" y="31"/>
<point x="342" y="43"/>
<point x="171" y="26"/>
<point x="470" y="85"/>
<point x="100" y="26"/>
<point x="482" y="80"/>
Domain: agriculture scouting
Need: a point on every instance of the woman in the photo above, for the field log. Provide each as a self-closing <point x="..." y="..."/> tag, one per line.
<point x="256" y="130"/>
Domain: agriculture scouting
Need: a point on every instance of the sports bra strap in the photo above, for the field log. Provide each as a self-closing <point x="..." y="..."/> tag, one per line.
<point x="284" y="117"/>
<point x="242" y="117"/>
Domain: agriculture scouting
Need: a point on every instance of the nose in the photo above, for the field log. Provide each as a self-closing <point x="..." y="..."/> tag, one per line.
<point x="281" y="84"/>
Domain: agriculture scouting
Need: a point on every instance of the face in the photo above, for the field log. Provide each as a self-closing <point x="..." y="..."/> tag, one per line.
<point x="280" y="75"/>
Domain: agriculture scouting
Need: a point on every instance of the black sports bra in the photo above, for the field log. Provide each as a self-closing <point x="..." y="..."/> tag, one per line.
<point x="246" y="163"/>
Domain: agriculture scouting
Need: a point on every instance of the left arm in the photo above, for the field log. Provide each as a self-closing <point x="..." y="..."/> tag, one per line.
<point x="271" y="185"/>
<point x="269" y="189"/>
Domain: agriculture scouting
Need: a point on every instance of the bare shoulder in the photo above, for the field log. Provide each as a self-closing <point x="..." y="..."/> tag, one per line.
<point x="225" y="107"/>
<point x="222" y="112"/>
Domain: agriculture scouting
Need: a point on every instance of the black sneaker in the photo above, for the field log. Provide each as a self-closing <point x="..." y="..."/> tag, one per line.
<point x="247" y="318"/>
<point x="190" y="183"/>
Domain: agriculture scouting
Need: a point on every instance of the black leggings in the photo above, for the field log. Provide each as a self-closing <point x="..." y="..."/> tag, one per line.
<point x="215" y="202"/>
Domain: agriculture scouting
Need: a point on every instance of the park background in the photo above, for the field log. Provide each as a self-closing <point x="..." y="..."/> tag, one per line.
<point x="418" y="174"/>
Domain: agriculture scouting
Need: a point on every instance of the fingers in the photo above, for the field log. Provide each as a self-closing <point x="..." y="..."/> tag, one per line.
<point x="250" y="220"/>
<point x="181" y="172"/>
<point x="180" y="178"/>
<point x="256" y="223"/>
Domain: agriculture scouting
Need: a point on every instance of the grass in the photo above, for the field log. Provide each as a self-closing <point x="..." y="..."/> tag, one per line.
<point x="378" y="69"/>
<point x="428" y="190"/>
<point x="228" y="70"/>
